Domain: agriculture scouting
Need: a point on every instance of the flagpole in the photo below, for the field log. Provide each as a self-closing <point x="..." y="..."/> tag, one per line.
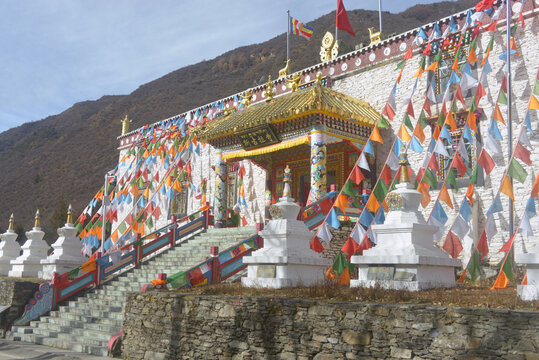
<point x="380" y="14"/>
<point x="509" y="122"/>
<point x="287" y="36"/>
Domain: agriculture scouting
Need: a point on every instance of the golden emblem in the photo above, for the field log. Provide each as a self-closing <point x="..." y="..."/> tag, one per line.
<point x="294" y="82"/>
<point x="329" y="49"/>
<point x="125" y="125"/>
<point x="286" y="70"/>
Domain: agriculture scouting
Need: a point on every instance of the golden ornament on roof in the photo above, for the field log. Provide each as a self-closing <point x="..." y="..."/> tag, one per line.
<point x="286" y="70"/>
<point x="403" y="162"/>
<point x="125" y="125"/>
<point x="375" y="37"/>
<point x="269" y="92"/>
<point x="36" y="224"/>
<point x="69" y="215"/>
<point x="329" y="49"/>
<point x="294" y="82"/>
<point x="246" y="98"/>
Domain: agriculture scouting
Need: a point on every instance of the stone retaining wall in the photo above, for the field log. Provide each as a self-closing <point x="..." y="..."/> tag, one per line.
<point x="14" y="294"/>
<point x="162" y="325"/>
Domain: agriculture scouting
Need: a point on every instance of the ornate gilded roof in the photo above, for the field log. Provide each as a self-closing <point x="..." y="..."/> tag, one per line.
<point x="314" y="99"/>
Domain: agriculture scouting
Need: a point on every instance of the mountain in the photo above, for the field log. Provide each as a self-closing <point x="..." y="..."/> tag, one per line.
<point x="63" y="158"/>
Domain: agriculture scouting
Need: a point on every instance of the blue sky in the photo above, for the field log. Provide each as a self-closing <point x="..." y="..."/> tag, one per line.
<point x="55" y="53"/>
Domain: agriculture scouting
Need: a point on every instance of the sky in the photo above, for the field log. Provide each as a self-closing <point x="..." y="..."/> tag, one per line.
<point x="55" y="53"/>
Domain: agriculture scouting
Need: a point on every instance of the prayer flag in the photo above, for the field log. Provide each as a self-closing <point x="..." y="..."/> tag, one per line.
<point x="444" y="196"/>
<point x="299" y="28"/>
<point x="517" y="171"/>
<point x="486" y="161"/>
<point x="342" y="22"/>
<point x="452" y="245"/>
<point x="507" y="188"/>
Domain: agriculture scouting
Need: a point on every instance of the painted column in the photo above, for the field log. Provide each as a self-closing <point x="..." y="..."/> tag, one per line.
<point x="219" y="203"/>
<point x="318" y="165"/>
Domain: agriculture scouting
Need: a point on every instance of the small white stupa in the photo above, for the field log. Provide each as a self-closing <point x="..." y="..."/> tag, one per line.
<point x="33" y="251"/>
<point x="286" y="258"/>
<point x="9" y="248"/>
<point x="405" y="257"/>
<point x="67" y="251"/>
<point x="530" y="291"/>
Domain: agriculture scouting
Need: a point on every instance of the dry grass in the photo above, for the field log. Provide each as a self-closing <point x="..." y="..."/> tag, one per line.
<point x="467" y="295"/>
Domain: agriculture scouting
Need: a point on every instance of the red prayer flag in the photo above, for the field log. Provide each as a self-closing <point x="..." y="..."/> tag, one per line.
<point x="482" y="244"/>
<point x="535" y="187"/>
<point x="452" y="245"/>
<point x="342" y="21"/>
<point x="357" y="175"/>
<point x="386" y="175"/>
<point x="410" y="109"/>
<point x="459" y="164"/>
<point x="316" y="245"/>
<point x="486" y="161"/>
<point x="484" y="5"/>
<point x="349" y="247"/>
<point x="522" y="153"/>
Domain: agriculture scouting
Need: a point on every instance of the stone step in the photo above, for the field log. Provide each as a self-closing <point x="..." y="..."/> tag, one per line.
<point x="59" y="323"/>
<point x="98" y="307"/>
<point x="90" y="318"/>
<point x="66" y="344"/>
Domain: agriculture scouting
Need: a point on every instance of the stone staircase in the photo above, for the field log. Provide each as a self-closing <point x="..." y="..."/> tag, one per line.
<point x="87" y="323"/>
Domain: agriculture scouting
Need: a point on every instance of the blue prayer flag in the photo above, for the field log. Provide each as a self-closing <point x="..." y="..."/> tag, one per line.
<point x="415" y="145"/>
<point x="333" y="220"/>
<point x="366" y="218"/>
<point x="465" y="210"/>
<point x="439" y="214"/>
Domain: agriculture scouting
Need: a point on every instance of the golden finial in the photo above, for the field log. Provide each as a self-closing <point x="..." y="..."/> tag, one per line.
<point x="329" y="49"/>
<point x="294" y="82"/>
<point x="246" y="98"/>
<point x="69" y="215"/>
<point x="11" y="220"/>
<point x="36" y="224"/>
<point x="403" y="162"/>
<point x="125" y="125"/>
<point x="286" y="70"/>
<point x="269" y="93"/>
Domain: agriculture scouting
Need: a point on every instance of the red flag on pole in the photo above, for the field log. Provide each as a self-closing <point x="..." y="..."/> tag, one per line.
<point x="342" y="19"/>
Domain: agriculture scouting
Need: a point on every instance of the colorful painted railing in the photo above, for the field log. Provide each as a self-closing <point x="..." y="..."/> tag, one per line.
<point x="314" y="214"/>
<point x="218" y="267"/>
<point x="61" y="288"/>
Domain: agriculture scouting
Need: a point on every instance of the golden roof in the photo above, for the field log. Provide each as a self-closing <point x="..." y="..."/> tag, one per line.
<point x="314" y="99"/>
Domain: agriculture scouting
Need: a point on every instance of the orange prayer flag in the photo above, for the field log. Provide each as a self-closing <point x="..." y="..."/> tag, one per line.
<point x="497" y="114"/>
<point x="146" y="193"/>
<point x="507" y="188"/>
<point x="419" y="134"/>
<point x="485" y="58"/>
<point x="455" y="67"/>
<point x="403" y="134"/>
<point x="450" y="120"/>
<point x="444" y="196"/>
<point x="375" y="136"/>
<point x="400" y="75"/>
<point x="177" y="186"/>
<point x="168" y="181"/>
<point x="525" y="280"/>
<point x="418" y="73"/>
<point x="134" y="190"/>
<point x="436" y="133"/>
<point x="432" y="67"/>
<point x="344" y="279"/>
<point x="194" y="141"/>
<point x="146" y="153"/>
<point x="513" y="46"/>
<point x="534" y="103"/>
<point x="471" y="121"/>
<point x="341" y="202"/>
<point x="385" y="206"/>
<point x="114" y="236"/>
<point x="535" y="187"/>
<point x="501" y="281"/>
<point x="426" y="196"/>
<point x="372" y="204"/>
<point x="470" y="192"/>
<point x="462" y="277"/>
<point x="471" y="57"/>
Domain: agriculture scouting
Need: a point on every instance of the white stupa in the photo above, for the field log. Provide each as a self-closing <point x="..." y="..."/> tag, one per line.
<point x="530" y="291"/>
<point x="405" y="256"/>
<point x="286" y="258"/>
<point x="9" y="248"/>
<point x="67" y="251"/>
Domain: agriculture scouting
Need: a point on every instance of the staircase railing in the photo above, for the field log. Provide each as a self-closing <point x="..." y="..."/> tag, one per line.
<point x="61" y="287"/>
<point x="220" y="266"/>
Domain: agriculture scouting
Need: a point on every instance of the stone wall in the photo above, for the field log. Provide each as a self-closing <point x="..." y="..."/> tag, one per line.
<point x="14" y="294"/>
<point x="161" y="325"/>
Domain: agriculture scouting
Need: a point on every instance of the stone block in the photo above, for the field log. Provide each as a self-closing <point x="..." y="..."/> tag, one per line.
<point x="227" y="311"/>
<point x="401" y="353"/>
<point x="355" y="338"/>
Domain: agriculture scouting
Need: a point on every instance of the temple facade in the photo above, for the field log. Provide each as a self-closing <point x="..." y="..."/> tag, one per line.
<point x="435" y="91"/>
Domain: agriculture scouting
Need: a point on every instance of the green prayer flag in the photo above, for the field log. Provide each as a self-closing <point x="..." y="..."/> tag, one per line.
<point x="502" y="99"/>
<point x="422" y="120"/>
<point x="140" y="182"/>
<point x="79" y="227"/>
<point x="339" y="264"/>
<point x="441" y="119"/>
<point x="451" y="179"/>
<point x="472" y="107"/>
<point x="430" y="179"/>
<point x="536" y="88"/>
<point x="454" y="109"/>
<point x="400" y="65"/>
<point x="382" y="123"/>
<point x="473" y="180"/>
<point x="73" y="273"/>
<point x="517" y="171"/>
<point x="348" y="189"/>
<point x="178" y="280"/>
<point x="490" y="44"/>
<point x="508" y="266"/>
<point x="438" y="56"/>
<point x="408" y="122"/>
<point x="422" y="62"/>
<point x="122" y="228"/>
<point x="149" y="222"/>
<point x="380" y="191"/>
<point x="474" y="266"/>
